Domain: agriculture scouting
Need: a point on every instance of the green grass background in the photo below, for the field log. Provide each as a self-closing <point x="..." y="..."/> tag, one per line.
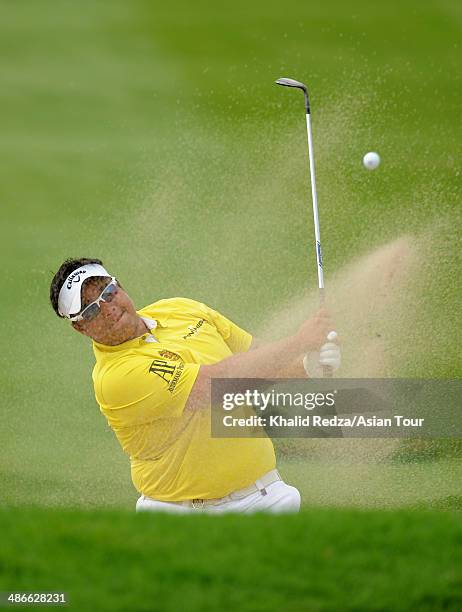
<point x="324" y="560"/>
<point x="151" y="135"/>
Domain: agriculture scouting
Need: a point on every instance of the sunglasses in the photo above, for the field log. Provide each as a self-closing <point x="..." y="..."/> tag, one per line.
<point x="93" y="309"/>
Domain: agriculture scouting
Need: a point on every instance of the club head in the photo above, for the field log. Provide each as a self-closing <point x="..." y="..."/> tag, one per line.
<point x="298" y="85"/>
<point x="291" y="83"/>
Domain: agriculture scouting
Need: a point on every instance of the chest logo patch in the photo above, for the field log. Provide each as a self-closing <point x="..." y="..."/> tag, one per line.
<point x="170" y="374"/>
<point x="163" y="369"/>
<point x="194" y="329"/>
<point x="169" y="355"/>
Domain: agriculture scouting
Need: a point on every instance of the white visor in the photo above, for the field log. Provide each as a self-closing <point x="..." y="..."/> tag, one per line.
<point x="69" y="301"/>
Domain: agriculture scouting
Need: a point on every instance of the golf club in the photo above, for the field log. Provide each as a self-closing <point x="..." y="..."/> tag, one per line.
<point x="327" y="371"/>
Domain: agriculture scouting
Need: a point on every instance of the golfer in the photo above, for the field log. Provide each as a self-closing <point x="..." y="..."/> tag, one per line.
<point x="152" y="383"/>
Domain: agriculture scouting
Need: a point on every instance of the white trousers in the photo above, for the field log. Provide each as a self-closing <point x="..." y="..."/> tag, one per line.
<point x="280" y="498"/>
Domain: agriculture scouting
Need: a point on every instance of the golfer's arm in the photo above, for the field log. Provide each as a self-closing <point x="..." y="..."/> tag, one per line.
<point x="292" y="369"/>
<point x="268" y="361"/>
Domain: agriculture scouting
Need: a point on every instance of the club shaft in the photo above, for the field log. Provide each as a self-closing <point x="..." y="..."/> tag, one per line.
<point x="314" y="198"/>
<point x="326" y="370"/>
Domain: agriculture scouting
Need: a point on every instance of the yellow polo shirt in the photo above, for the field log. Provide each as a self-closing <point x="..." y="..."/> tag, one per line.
<point x="142" y="387"/>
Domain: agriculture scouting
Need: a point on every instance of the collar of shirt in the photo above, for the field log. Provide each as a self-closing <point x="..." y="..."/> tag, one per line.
<point x="151" y="324"/>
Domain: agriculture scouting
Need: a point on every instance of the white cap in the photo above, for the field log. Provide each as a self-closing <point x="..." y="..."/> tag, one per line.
<point x="69" y="301"/>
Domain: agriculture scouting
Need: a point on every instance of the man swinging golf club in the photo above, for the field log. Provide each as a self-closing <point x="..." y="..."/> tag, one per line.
<point x="152" y="379"/>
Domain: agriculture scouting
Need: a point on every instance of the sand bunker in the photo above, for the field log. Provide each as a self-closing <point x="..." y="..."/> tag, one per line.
<point x="364" y="298"/>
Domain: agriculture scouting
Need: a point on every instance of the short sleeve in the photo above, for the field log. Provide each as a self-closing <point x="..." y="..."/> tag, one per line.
<point x="237" y="339"/>
<point x="137" y="390"/>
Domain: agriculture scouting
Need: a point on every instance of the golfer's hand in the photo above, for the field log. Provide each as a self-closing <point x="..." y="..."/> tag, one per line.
<point x="329" y="355"/>
<point x="312" y="334"/>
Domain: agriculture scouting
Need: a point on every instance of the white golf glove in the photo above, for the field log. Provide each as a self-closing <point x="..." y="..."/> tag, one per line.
<point x="329" y="355"/>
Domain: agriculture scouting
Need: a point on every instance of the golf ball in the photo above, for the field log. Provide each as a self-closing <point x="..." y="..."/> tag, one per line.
<point x="371" y="160"/>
